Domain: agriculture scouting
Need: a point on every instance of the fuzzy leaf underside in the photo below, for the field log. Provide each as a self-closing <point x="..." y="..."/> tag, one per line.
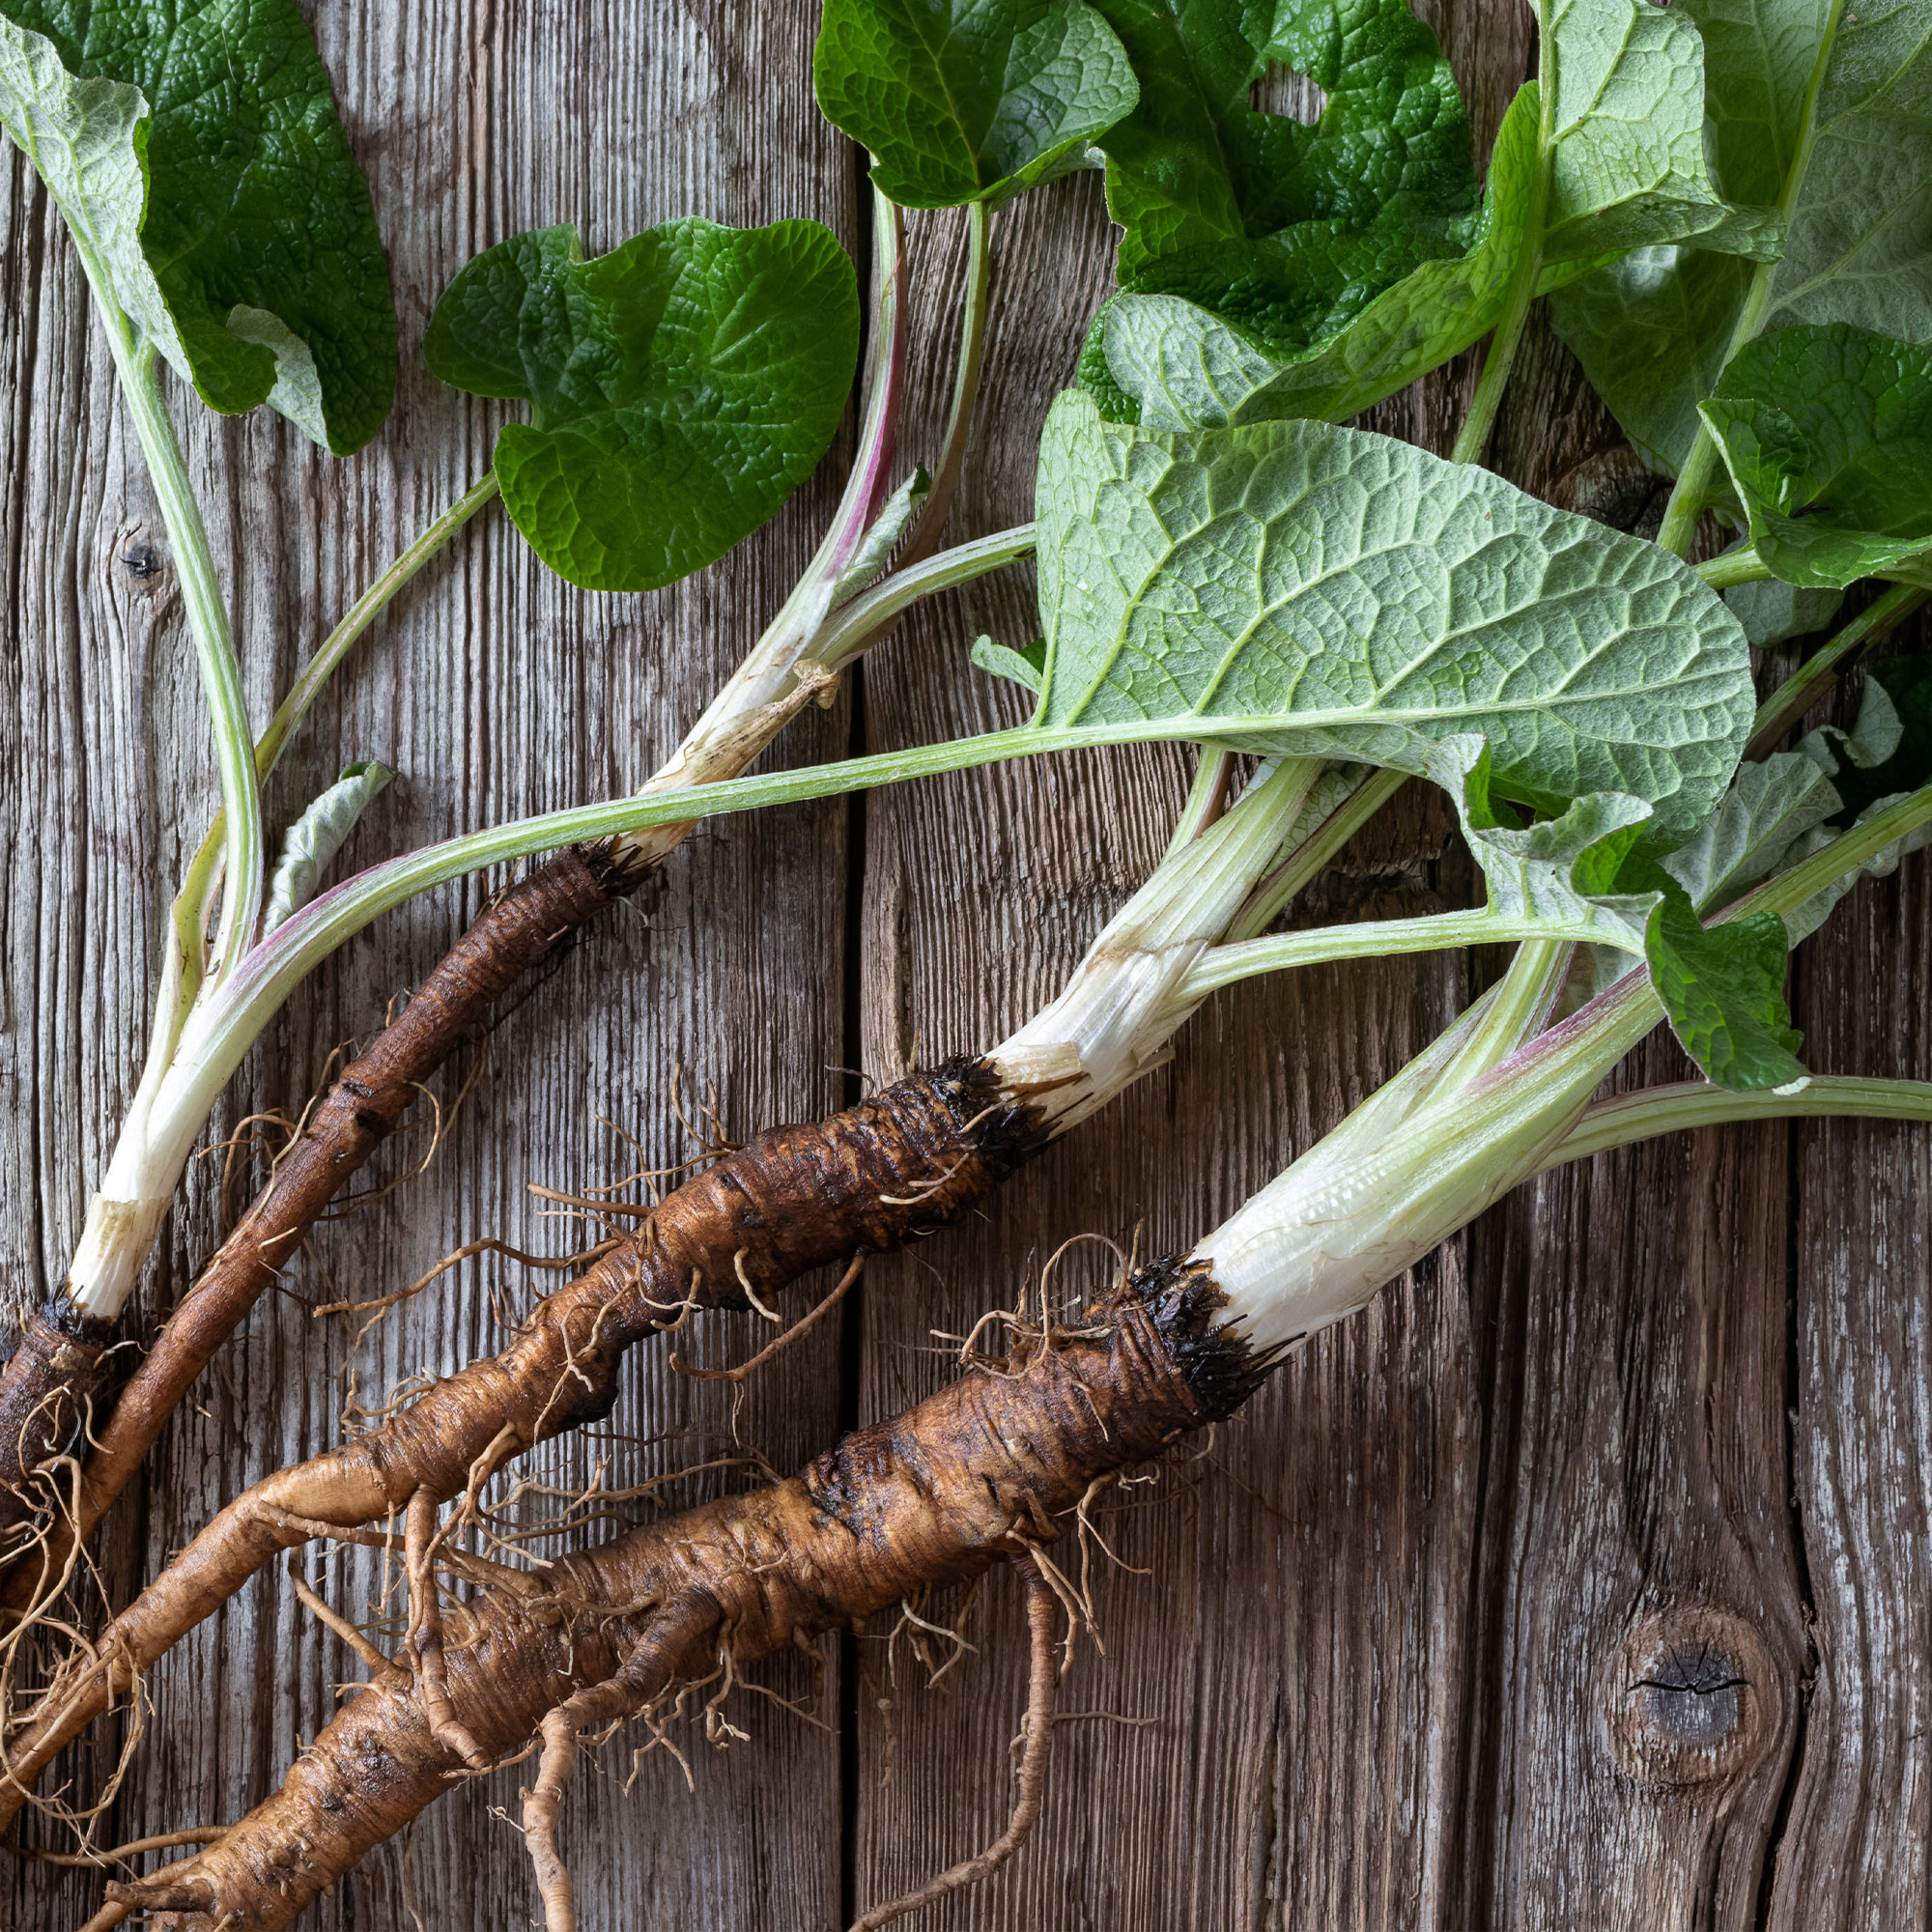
<point x="196" y="146"/>
<point x="968" y="99"/>
<point x="1828" y="436"/>
<point x="1653" y="330"/>
<point x="1628" y="167"/>
<point x="1286" y="230"/>
<point x="680" y="386"/>
<point x="1723" y="986"/>
<point x="1563" y="868"/>
<point x="318" y="835"/>
<point x="1299" y="589"/>
<point x="1773" y="611"/>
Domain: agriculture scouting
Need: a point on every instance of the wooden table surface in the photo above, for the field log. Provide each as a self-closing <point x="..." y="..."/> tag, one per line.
<point x="1583" y="1580"/>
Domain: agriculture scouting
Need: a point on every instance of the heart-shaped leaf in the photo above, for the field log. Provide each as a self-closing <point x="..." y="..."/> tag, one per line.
<point x="680" y="387"/>
<point x="1292" y="587"/>
<point x="195" y="152"/>
<point x="1828" y="436"/>
<point x="962" y="101"/>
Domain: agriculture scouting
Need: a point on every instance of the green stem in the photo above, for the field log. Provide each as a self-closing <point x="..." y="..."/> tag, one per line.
<point x="1377" y="939"/>
<point x="190" y="905"/>
<point x="1742" y="565"/>
<point x="1522" y="1001"/>
<point x="1206" y="800"/>
<point x="856" y="627"/>
<point x="1473" y="439"/>
<point x="1803" y="689"/>
<point x="367" y="607"/>
<point x="214" y="642"/>
<point x="1699" y="1103"/>
<point x="1688" y="496"/>
<point x="1302" y="866"/>
<point x="925" y="539"/>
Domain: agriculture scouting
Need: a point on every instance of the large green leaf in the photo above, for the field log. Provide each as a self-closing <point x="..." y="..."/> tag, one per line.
<point x="1624" y="161"/>
<point x="1826" y="111"/>
<point x="1284" y="229"/>
<point x="964" y="100"/>
<point x="680" y="387"/>
<point x="1294" y="587"/>
<point x="195" y="150"/>
<point x="1173" y="364"/>
<point x="1828" y="436"/>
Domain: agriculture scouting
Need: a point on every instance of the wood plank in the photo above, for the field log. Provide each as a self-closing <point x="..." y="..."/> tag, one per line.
<point x="1852" y="1850"/>
<point x="1440" y="1631"/>
<point x="495" y="691"/>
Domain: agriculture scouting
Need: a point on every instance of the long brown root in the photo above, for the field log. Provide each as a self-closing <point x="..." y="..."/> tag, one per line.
<point x="515" y="930"/>
<point x="986" y="1470"/>
<point x="886" y="1172"/>
<point x="1037" y="1728"/>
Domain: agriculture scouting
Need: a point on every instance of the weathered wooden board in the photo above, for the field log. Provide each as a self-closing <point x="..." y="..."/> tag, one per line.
<point x="1583" y="1578"/>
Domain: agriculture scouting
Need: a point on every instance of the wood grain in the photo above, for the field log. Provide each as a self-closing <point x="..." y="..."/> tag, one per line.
<point x="1583" y="1579"/>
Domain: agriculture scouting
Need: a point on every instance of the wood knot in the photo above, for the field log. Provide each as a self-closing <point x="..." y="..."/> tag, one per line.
<point x="1693" y="1697"/>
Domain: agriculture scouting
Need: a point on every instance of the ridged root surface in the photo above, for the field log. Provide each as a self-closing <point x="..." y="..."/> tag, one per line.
<point x="987" y="1468"/>
<point x="893" y="1168"/>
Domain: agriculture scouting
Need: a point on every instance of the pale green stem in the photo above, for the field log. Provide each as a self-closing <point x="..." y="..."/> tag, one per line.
<point x="1301" y="867"/>
<point x="1742" y="565"/>
<point x="367" y="607"/>
<point x="1207" y="799"/>
<point x="1378" y="939"/>
<point x="1803" y="689"/>
<point x="190" y="903"/>
<point x="214" y="645"/>
<point x="1699" y="1103"/>
<point x="925" y="539"/>
<point x="857" y="626"/>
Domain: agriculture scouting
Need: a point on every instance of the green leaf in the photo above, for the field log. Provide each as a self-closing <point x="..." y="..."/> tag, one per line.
<point x="1564" y="868"/>
<point x="1026" y="666"/>
<point x="1764" y="820"/>
<point x="964" y="100"/>
<point x="1722" y="988"/>
<point x="1889" y="749"/>
<point x="1299" y="589"/>
<point x="1828" y="436"/>
<point x="1286" y="230"/>
<point x="680" y="387"/>
<point x="1818" y="108"/>
<point x="1625" y="161"/>
<point x="1773" y="612"/>
<point x="195" y="151"/>
<point x="1181" y="367"/>
<point x="318" y="835"/>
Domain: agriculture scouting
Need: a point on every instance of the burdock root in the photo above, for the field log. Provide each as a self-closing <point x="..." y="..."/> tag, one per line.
<point x="914" y="1157"/>
<point x="987" y="1469"/>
